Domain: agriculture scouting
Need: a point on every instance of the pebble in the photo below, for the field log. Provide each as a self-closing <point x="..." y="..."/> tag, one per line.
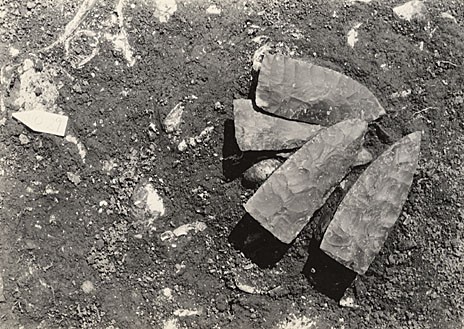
<point x="31" y="5"/>
<point x="23" y="139"/>
<point x="222" y="303"/>
<point x="74" y="178"/>
<point x="258" y="173"/>
<point x="182" y="146"/>
<point x="414" y="9"/>
<point x="173" y="120"/>
<point x="87" y="286"/>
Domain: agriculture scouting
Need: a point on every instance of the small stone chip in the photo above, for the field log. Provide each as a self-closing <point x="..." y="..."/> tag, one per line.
<point x="87" y="286"/>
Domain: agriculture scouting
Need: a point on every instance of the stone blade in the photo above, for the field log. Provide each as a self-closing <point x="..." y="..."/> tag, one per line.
<point x="371" y="207"/>
<point x="255" y="131"/>
<point x="310" y="93"/>
<point x="286" y="201"/>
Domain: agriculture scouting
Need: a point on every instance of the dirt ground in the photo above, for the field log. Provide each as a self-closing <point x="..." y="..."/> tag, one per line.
<point x="73" y="254"/>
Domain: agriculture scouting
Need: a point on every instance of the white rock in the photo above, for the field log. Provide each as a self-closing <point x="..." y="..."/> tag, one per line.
<point x="147" y="199"/>
<point x="410" y="10"/>
<point x="164" y="9"/>
<point x="186" y="228"/>
<point x="213" y="10"/>
<point x="182" y="146"/>
<point x="352" y="36"/>
<point x="167" y="292"/>
<point x="23" y="139"/>
<point x="447" y="15"/>
<point x="173" y="120"/>
<point x="348" y="302"/>
<point x="184" y="312"/>
<point x="87" y="287"/>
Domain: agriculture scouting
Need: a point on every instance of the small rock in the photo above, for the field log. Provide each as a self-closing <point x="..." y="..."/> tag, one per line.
<point x="87" y="286"/>
<point x="414" y="9"/>
<point x="173" y="120"/>
<point x="182" y="146"/>
<point x="364" y="157"/>
<point x="186" y="228"/>
<point x="213" y="10"/>
<point x="348" y="301"/>
<point x="147" y="202"/>
<point x="447" y="15"/>
<point x="218" y="106"/>
<point x="352" y="36"/>
<point x="259" y="172"/>
<point x="38" y="91"/>
<point x="30" y="5"/>
<point x="23" y="139"/>
<point x="167" y="292"/>
<point x="246" y="288"/>
<point x="74" y="178"/>
<point x="185" y="312"/>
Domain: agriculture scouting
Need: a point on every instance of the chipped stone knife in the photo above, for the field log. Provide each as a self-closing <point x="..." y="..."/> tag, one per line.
<point x="371" y="207"/>
<point x="286" y="201"/>
<point x="306" y="92"/>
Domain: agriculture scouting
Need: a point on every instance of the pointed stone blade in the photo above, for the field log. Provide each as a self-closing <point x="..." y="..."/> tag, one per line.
<point x="255" y="131"/>
<point x="43" y="122"/>
<point x="286" y="201"/>
<point x="371" y="207"/>
<point x="310" y="93"/>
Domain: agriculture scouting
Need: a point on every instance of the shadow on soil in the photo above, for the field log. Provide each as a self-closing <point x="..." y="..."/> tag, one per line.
<point x="326" y="274"/>
<point x="257" y="243"/>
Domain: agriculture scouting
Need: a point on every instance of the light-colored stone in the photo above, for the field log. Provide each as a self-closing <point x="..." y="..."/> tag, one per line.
<point x="371" y="207"/>
<point x="173" y="120"/>
<point x="352" y="36"/>
<point x="259" y="172"/>
<point x="147" y="202"/>
<point x="286" y="201"/>
<point x="256" y="131"/>
<point x="87" y="287"/>
<point x="302" y="91"/>
<point x="414" y="9"/>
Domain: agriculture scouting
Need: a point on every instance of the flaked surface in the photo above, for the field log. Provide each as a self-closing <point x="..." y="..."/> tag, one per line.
<point x="361" y="224"/>
<point x="285" y="203"/>
<point x="310" y="93"/>
<point x="256" y="131"/>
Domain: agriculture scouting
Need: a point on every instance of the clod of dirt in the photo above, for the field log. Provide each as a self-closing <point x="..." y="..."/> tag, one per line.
<point x="87" y="287"/>
<point x="414" y="9"/>
<point x="173" y="120"/>
<point x="259" y="172"/>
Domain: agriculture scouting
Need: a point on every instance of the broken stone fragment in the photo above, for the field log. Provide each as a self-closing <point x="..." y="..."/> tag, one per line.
<point x="259" y="172"/>
<point x="285" y="203"/>
<point x="364" y="157"/>
<point x="146" y="202"/>
<point x="414" y="9"/>
<point x="255" y="131"/>
<point x="173" y="120"/>
<point x="371" y="207"/>
<point x="306" y="92"/>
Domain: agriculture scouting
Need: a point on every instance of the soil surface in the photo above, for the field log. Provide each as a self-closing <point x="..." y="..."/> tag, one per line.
<point x="74" y="253"/>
